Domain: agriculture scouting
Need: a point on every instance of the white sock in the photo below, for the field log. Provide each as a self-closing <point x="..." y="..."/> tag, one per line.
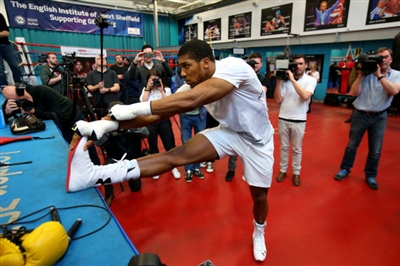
<point x="260" y="226"/>
<point x="133" y="169"/>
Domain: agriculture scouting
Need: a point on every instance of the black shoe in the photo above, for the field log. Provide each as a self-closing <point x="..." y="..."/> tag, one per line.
<point x="371" y="181"/>
<point x="189" y="176"/>
<point x="198" y="173"/>
<point x="229" y="176"/>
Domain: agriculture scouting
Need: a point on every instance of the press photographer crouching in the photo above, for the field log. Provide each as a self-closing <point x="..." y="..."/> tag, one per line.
<point x="43" y="102"/>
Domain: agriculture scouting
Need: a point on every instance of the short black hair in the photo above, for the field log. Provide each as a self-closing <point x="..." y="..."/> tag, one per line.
<point x="197" y="50"/>
<point x="255" y="55"/>
<point x="298" y="56"/>
<point x="147" y="46"/>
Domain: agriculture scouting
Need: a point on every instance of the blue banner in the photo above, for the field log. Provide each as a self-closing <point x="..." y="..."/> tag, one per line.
<point x="49" y="15"/>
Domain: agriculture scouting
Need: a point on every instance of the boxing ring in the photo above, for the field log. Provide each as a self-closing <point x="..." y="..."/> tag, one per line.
<point x="32" y="185"/>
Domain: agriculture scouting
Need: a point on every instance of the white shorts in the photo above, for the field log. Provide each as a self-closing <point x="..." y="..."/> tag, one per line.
<point x="258" y="160"/>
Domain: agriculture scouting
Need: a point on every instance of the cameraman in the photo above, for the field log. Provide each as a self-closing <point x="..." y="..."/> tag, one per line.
<point x="45" y="103"/>
<point x="374" y="95"/>
<point x="293" y="96"/>
<point x="255" y="61"/>
<point x="155" y="90"/>
<point x="51" y="74"/>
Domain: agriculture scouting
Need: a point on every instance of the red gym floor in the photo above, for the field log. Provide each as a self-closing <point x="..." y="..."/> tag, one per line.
<point x="322" y="222"/>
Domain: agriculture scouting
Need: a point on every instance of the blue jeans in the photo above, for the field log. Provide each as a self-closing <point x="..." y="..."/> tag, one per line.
<point x="375" y="125"/>
<point x="188" y="124"/>
<point x="7" y="53"/>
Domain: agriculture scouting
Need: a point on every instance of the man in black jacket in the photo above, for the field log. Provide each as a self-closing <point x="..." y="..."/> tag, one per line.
<point x="148" y="55"/>
<point x="46" y="103"/>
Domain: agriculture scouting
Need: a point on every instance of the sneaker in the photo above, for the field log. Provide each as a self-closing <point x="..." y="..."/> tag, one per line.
<point x="83" y="174"/>
<point x="203" y="164"/>
<point x="342" y="174"/>
<point x="229" y="176"/>
<point x="189" y="176"/>
<point x="176" y="173"/>
<point x="198" y="173"/>
<point x="371" y="181"/>
<point x="156" y="177"/>
<point x="259" y="248"/>
<point x="210" y="167"/>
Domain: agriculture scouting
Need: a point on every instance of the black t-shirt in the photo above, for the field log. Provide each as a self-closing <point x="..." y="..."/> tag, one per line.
<point x="120" y="71"/>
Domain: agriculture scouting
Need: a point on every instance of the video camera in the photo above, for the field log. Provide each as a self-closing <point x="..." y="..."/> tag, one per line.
<point x="68" y="61"/>
<point x="369" y="62"/>
<point x="101" y="21"/>
<point x="284" y="62"/>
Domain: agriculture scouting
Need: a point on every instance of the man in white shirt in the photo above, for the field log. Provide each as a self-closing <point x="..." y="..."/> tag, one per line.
<point x="231" y="93"/>
<point x="294" y="96"/>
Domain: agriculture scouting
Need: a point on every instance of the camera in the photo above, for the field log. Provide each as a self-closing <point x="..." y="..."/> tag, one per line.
<point x="250" y="62"/>
<point x="369" y="62"/>
<point x="148" y="55"/>
<point x="42" y="59"/>
<point x="156" y="82"/>
<point x="68" y="61"/>
<point x="20" y="88"/>
<point x="25" y="104"/>
<point x="284" y="62"/>
<point x="101" y="21"/>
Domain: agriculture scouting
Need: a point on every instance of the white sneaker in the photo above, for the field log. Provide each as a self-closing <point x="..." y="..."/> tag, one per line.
<point x="210" y="167"/>
<point x="176" y="173"/>
<point x="83" y="174"/>
<point x="259" y="248"/>
<point x="203" y="164"/>
<point x="156" y="177"/>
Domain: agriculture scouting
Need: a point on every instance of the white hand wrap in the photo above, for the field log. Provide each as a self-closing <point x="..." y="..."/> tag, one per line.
<point x="96" y="129"/>
<point x="127" y="112"/>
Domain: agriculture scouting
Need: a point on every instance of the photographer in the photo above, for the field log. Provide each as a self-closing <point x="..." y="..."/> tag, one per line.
<point x="374" y="95"/>
<point x="104" y="91"/>
<point x="51" y="74"/>
<point x="293" y="95"/>
<point x="155" y="90"/>
<point x="43" y="102"/>
<point x="148" y="55"/>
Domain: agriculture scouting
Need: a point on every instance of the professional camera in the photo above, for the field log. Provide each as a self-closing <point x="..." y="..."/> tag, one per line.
<point x="20" y="88"/>
<point x="25" y="104"/>
<point x="283" y="63"/>
<point x="369" y="62"/>
<point x="42" y="59"/>
<point x="68" y="61"/>
<point x="156" y="82"/>
<point x="250" y="62"/>
<point x="102" y="22"/>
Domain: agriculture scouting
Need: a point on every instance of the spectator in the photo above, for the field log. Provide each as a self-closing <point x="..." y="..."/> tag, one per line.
<point x="120" y="68"/>
<point x="104" y="91"/>
<point x="51" y="75"/>
<point x="133" y="85"/>
<point x="313" y="72"/>
<point x="194" y="120"/>
<point x="155" y="90"/>
<point x="79" y="70"/>
<point x="7" y="53"/>
<point x="148" y="55"/>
